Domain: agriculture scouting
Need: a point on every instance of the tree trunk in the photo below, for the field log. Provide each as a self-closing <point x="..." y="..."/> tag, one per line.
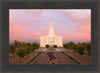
<point x="23" y="60"/>
<point x="20" y="60"/>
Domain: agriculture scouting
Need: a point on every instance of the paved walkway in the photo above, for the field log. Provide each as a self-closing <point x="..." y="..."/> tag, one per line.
<point x="60" y="58"/>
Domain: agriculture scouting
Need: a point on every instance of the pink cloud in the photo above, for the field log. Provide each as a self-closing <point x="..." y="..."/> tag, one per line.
<point x="60" y="21"/>
<point x="29" y="25"/>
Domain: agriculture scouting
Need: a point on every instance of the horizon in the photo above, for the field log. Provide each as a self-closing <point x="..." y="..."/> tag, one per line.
<point x="39" y="42"/>
<point x="72" y="24"/>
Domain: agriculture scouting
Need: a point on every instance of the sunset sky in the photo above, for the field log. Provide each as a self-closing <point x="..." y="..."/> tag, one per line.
<point x="29" y="24"/>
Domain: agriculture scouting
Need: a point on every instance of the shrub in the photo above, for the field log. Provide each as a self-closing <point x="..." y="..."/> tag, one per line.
<point x="80" y="49"/>
<point x="69" y="45"/>
<point x="55" y="46"/>
<point x="47" y="46"/>
<point x="16" y="43"/>
<point x="28" y="50"/>
<point x="12" y="48"/>
<point x="35" y="46"/>
<point x="88" y="48"/>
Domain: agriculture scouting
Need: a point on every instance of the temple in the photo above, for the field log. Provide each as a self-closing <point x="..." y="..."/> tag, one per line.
<point x="51" y="39"/>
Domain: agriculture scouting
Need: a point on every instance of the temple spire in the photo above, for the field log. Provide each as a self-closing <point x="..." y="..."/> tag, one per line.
<point x="51" y="29"/>
<point x="51" y="22"/>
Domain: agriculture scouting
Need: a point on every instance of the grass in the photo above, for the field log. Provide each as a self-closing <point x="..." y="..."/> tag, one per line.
<point x="51" y="48"/>
<point x="71" y="58"/>
<point x="34" y="58"/>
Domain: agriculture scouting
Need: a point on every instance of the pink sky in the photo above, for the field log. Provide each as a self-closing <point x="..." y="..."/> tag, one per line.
<point x="29" y="24"/>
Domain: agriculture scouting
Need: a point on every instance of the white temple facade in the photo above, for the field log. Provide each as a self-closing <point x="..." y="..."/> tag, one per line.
<point x="51" y="39"/>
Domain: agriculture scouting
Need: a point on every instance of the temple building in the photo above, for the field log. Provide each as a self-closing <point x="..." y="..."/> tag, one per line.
<point x="51" y="39"/>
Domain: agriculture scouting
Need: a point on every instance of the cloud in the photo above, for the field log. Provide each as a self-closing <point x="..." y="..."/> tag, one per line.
<point x="30" y="24"/>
